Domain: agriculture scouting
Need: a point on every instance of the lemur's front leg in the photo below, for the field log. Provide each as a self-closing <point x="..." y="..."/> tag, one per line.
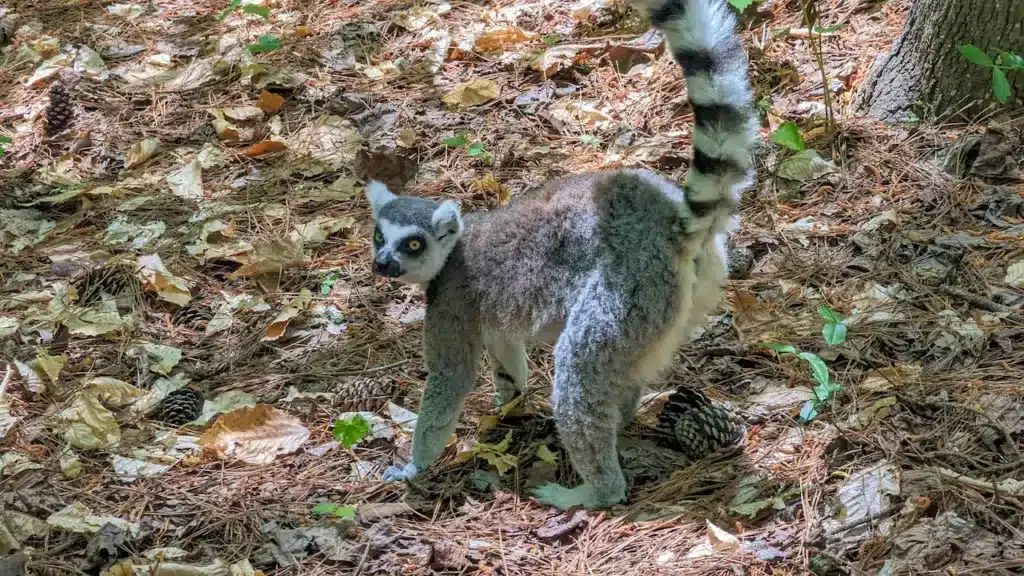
<point x="451" y="347"/>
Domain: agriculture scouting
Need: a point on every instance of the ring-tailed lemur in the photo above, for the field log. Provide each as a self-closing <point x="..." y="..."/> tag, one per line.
<point x="617" y="268"/>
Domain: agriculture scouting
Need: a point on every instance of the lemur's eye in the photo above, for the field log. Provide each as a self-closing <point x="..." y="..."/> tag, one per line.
<point x="415" y="245"/>
<point x="378" y="237"/>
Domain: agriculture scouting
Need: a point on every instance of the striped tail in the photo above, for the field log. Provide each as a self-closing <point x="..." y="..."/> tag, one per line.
<point x="702" y="38"/>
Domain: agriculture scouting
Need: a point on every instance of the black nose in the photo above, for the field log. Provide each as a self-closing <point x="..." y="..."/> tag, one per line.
<point x="388" y="268"/>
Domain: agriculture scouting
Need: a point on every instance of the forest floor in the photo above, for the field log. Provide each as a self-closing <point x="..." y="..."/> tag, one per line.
<point x="201" y="224"/>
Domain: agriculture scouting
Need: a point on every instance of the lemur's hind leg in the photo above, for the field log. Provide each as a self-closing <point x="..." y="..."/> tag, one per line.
<point x="629" y="403"/>
<point x="593" y="394"/>
<point x="508" y="367"/>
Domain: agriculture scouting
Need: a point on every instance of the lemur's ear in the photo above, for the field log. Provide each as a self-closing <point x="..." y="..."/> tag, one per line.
<point x="378" y="194"/>
<point x="447" y="220"/>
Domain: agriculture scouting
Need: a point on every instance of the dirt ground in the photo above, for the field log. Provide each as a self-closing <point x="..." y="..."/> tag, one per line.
<point x="197" y="222"/>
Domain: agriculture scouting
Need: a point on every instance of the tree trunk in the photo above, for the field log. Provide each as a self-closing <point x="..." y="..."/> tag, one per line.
<point x="925" y="74"/>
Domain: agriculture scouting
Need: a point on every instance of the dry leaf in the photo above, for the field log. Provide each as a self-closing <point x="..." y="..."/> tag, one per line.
<point x="168" y="287"/>
<point x="270" y="102"/>
<point x="255" y="435"/>
<point x="243" y="113"/>
<point x="489" y="185"/>
<point x="501" y="39"/>
<point x="472" y="93"/>
<point x="94" y="322"/>
<point x="141" y="152"/>
<point x="407" y="138"/>
<point x="1015" y="274"/>
<point x="6" y="420"/>
<point x="263" y="148"/>
<point x="52" y="365"/>
<point x="92" y="424"/>
<point x="331" y="140"/>
<point x="716" y="540"/>
<point x="554" y="59"/>
<point x="279" y="325"/>
<point x="419" y="16"/>
<point x="273" y="257"/>
<point x="891" y="377"/>
<point x="79" y="518"/>
<point x="187" y="181"/>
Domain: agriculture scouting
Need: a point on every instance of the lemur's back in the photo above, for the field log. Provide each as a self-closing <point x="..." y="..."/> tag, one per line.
<point x="541" y="247"/>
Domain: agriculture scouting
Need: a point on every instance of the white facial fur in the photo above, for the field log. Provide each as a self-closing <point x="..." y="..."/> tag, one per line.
<point x="406" y="220"/>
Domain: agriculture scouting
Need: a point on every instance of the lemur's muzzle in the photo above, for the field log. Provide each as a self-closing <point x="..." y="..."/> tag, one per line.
<point x="389" y="268"/>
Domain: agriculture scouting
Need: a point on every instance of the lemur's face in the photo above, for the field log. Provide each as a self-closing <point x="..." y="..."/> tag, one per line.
<point x="412" y="237"/>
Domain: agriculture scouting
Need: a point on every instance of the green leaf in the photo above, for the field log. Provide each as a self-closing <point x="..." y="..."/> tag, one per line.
<point x="327" y="508"/>
<point x="328" y="284"/>
<point x="976" y="55"/>
<point x="476" y="149"/>
<point x="456" y="141"/>
<point x="829" y="315"/>
<point x="590" y="139"/>
<point x="828" y="29"/>
<point x="818" y="367"/>
<point x="1000" y="85"/>
<point x="834" y="333"/>
<point x="1011" y="60"/>
<point x="782" y="348"/>
<point x="551" y="39"/>
<point x="752" y="509"/>
<point x="258" y="10"/>
<point x="788" y="135"/>
<point x="265" y="43"/>
<point x="741" y="5"/>
<point x="808" y="411"/>
<point x="231" y="8"/>
<point x="351" y="430"/>
<point x="5" y="140"/>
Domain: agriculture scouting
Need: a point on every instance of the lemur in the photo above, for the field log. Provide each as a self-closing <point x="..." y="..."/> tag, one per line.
<point x="615" y="268"/>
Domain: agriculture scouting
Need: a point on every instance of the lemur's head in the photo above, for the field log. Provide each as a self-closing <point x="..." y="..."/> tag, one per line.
<point x="412" y="237"/>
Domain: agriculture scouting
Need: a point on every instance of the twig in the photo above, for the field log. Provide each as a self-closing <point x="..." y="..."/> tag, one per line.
<point x="981" y="302"/>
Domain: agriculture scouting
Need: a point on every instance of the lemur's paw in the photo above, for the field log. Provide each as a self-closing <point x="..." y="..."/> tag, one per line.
<point x="396" y="474"/>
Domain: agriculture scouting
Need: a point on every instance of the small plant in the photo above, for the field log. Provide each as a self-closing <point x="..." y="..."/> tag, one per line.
<point x="474" y="150"/>
<point x="741" y="5"/>
<point x="495" y="454"/>
<point x="350" y="430"/>
<point x="261" y="11"/>
<point x="591" y="139"/>
<point x="826" y="387"/>
<point x="1005" y="61"/>
<point x="3" y="140"/>
<point x="265" y="43"/>
<point x="788" y="135"/>
<point x="834" y="331"/>
<point x="329" y="509"/>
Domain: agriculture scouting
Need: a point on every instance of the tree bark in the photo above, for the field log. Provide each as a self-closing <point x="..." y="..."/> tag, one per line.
<point x="925" y="75"/>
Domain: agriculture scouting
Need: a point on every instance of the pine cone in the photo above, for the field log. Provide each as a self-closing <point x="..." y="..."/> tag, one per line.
<point x="365" y="394"/>
<point x="697" y="426"/>
<point x="180" y="407"/>
<point x="60" y="112"/>
<point x="195" y="316"/>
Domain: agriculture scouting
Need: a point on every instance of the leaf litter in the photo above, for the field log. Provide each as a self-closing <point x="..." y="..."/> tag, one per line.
<point x="233" y="185"/>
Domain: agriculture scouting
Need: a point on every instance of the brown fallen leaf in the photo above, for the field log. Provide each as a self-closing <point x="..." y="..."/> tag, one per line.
<point x="489" y="185"/>
<point x="270" y="102"/>
<point x="279" y="325"/>
<point x="472" y="93"/>
<point x="141" y="152"/>
<point x="263" y="148"/>
<point x="272" y="257"/>
<point x="167" y="286"/>
<point x="255" y="434"/>
<point x="501" y="39"/>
